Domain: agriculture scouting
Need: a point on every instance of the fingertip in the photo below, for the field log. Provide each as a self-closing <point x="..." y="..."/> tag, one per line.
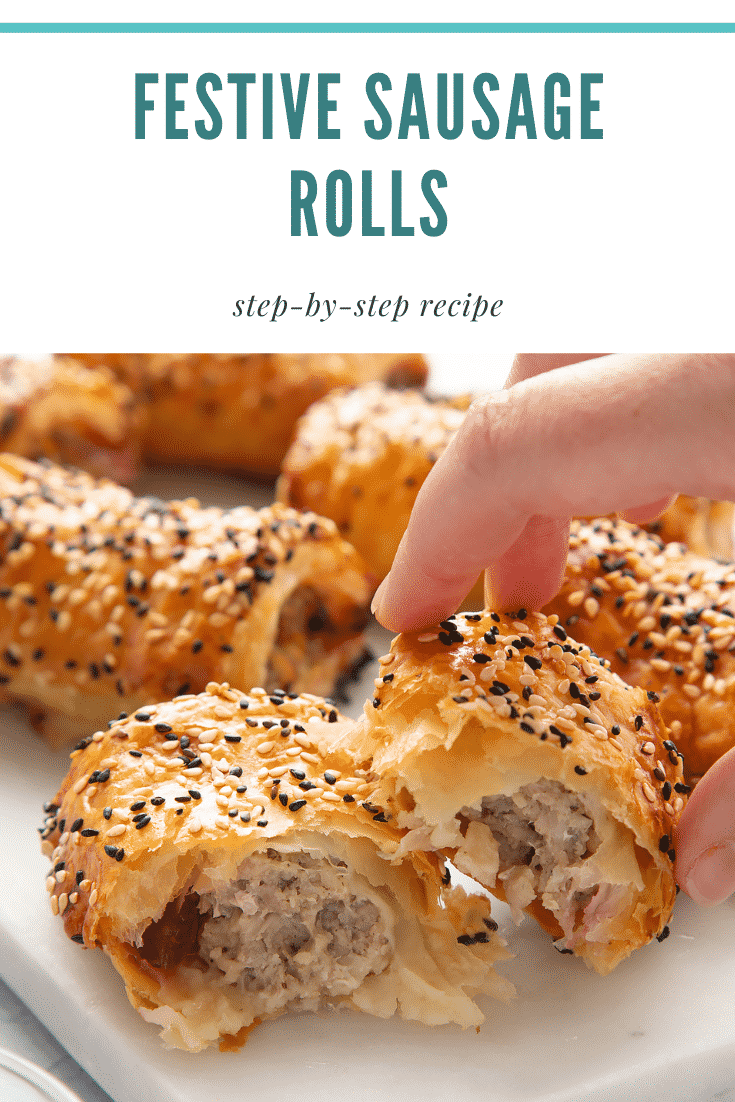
<point x="705" y="837"/>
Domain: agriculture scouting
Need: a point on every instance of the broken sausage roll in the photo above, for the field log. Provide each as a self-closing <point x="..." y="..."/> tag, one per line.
<point x="110" y="601"/>
<point x="512" y="749"/>
<point x="234" y="867"/>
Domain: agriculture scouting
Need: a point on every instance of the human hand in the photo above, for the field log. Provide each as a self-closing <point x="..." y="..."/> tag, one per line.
<point x="620" y="433"/>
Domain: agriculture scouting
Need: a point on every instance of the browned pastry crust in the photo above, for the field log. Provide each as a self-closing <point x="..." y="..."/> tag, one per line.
<point x="509" y="747"/>
<point x="111" y="601"/>
<point x="238" y="412"/>
<point x="55" y="407"/>
<point x="665" y="619"/>
<point x="193" y="840"/>
<point x="363" y="455"/>
<point x="705" y="526"/>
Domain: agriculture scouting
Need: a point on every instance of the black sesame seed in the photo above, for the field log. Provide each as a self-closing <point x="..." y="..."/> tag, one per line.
<point x="527" y="727"/>
<point x="77" y="825"/>
<point x="89" y="832"/>
<point x="233" y="738"/>
<point x="236" y="771"/>
<point x="559" y="632"/>
<point x="107" y="813"/>
<point x="119" y="855"/>
<point x="664" y="843"/>
<point x="638" y="722"/>
<point x="664" y="934"/>
<point x="684" y="789"/>
<point x="534" y="663"/>
<point x="79" y="877"/>
<point x="143" y="822"/>
<point x="580" y="770"/>
<point x="666" y="791"/>
<point x="163" y="728"/>
<point x="137" y="805"/>
<point x="158" y="800"/>
<point x="376" y="702"/>
<point x="111" y="851"/>
<point x="615" y="729"/>
<point x="135" y="753"/>
<point x="182" y="799"/>
<point x="622" y="654"/>
<point x="79" y="938"/>
<point x="346" y="798"/>
<point x="297" y="805"/>
<point x="564" y="740"/>
<point x="142" y="716"/>
<point x="465" y="939"/>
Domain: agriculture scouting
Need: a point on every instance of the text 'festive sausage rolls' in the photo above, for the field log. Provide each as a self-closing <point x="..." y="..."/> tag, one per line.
<point x="238" y="412"/>
<point x="506" y="745"/>
<point x="363" y="455"/>
<point x="665" y="618"/>
<point x="234" y="867"/>
<point x="109" y="601"/>
<point x="57" y="408"/>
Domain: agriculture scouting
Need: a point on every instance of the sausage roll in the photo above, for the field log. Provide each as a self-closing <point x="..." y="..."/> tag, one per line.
<point x="705" y="526"/>
<point x="361" y="456"/>
<point x="55" y="407"/>
<point x="665" y="619"/>
<point x="111" y="601"/>
<point x="233" y="866"/>
<point x="506" y="745"/>
<point x="238" y="412"/>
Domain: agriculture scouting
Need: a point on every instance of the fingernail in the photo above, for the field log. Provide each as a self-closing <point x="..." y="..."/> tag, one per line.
<point x="379" y="597"/>
<point x="712" y="877"/>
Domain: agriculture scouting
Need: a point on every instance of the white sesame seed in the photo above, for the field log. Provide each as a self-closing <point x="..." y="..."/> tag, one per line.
<point x="536" y="701"/>
<point x="116" y="831"/>
<point x="302" y="741"/>
<point x="194" y="826"/>
<point x="79" y="785"/>
<point x="648" y="748"/>
<point x="264" y="747"/>
<point x="429" y="637"/>
<point x="93" y="897"/>
<point x="311" y="758"/>
<point x="591" y="607"/>
<point x="576" y="598"/>
<point x="222" y="821"/>
<point x="63" y="902"/>
<point x="526" y="679"/>
<point x="221" y="801"/>
<point x="195" y="772"/>
<point x="648" y="792"/>
<point x="61" y="876"/>
<point x="692" y="691"/>
<point x="50" y="883"/>
<point x="563" y="687"/>
<point x="54" y="904"/>
<point x="332" y="797"/>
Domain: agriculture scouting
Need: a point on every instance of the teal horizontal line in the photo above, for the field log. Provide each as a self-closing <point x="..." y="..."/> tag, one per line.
<point x="367" y="28"/>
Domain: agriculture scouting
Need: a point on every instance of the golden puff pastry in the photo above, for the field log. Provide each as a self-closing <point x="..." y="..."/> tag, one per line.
<point x="234" y="866"/>
<point x="705" y="526"/>
<point x="363" y="455"/>
<point x="238" y="412"/>
<point x="665" y="619"/>
<point x="57" y="408"/>
<point x="507" y="746"/>
<point x="109" y="600"/>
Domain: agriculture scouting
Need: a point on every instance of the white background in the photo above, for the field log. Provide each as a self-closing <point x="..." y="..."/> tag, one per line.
<point x="109" y="241"/>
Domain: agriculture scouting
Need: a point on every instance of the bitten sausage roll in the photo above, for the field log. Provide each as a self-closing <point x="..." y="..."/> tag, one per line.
<point x="233" y="867"/>
<point x="57" y="408"/>
<point x="111" y="601"/>
<point x="363" y="455"/>
<point x="665" y="619"/>
<point x="509" y="747"/>
<point x="238" y="412"/>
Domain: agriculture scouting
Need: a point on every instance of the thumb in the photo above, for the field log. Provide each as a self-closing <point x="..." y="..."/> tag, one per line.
<point x="705" y="843"/>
